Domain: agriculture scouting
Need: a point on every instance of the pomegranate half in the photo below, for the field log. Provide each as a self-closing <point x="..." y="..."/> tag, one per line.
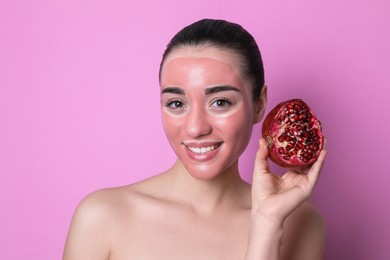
<point x="293" y="134"/>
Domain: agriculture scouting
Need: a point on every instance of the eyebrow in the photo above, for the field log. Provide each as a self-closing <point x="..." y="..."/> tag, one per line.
<point x="207" y="91"/>
<point x="222" y="88"/>
<point x="173" y="90"/>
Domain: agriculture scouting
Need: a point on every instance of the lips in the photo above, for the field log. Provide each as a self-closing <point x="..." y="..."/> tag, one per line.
<point x="202" y="152"/>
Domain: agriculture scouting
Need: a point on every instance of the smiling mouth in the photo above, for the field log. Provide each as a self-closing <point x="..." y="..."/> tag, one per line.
<point x="203" y="150"/>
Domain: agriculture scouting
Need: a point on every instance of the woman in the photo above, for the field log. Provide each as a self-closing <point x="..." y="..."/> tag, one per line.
<point x="212" y="94"/>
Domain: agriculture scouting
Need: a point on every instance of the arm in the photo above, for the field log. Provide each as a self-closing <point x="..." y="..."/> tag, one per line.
<point x="88" y="235"/>
<point x="274" y="199"/>
<point x="264" y="239"/>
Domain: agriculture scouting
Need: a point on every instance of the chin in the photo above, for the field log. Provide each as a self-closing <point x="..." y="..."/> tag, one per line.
<point x="203" y="171"/>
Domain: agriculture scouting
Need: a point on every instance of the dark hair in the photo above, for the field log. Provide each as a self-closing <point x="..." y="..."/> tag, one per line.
<point x="223" y="34"/>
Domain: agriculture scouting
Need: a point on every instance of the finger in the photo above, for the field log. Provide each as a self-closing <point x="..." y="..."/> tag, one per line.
<point x="321" y="158"/>
<point x="261" y="162"/>
<point x="316" y="168"/>
<point x="324" y="143"/>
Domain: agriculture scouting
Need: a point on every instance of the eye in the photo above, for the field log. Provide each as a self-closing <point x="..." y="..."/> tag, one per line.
<point x="174" y="104"/>
<point x="221" y="103"/>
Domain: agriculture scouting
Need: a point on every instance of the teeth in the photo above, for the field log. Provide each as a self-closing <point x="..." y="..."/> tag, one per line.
<point x="203" y="149"/>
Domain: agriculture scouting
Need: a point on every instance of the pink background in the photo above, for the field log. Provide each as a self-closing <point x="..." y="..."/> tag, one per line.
<point x="79" y="107"/>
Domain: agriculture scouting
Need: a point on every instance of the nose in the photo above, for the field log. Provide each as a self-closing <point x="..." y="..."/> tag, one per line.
<point x="198" y="123"/>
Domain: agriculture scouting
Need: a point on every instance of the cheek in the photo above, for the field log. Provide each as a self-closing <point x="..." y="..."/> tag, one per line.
<point x="236" y="124"/>
<point x="237" y="130"/>
<point x="171" y="125"/>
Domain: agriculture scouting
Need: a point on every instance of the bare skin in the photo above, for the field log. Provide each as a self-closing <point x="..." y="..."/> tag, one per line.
<point x="200" y="208"/>
<point x="144" y="221"/>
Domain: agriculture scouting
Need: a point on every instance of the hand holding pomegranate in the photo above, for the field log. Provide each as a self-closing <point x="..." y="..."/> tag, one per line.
<point x="274" y="197"/>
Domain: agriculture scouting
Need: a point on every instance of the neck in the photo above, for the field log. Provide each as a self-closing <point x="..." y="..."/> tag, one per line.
<point x="226" y="190"/>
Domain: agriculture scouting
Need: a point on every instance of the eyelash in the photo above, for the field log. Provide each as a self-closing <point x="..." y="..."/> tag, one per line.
<point x="180" y="104"/>
<point x="169" y="103"/>
<point x="226" y="100"/>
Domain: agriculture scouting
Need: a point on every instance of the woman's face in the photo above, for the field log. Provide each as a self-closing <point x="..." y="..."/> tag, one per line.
<point x="207" y="109"/>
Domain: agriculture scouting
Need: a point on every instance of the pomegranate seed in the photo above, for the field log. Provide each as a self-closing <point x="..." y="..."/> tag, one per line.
<point x="294" y="118"/>
<point x="289" y="146"/>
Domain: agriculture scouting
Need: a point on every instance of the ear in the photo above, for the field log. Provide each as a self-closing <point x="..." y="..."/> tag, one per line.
<point x="261" y="105"/>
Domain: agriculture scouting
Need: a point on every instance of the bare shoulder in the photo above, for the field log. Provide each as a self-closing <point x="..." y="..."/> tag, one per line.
<point x="108" y="205"/>
<point x="106" y="202"/>
<point x="88" y="236"/>
<point x="104" y="205"/>
<point x="97" y="217"/>
<point x="305" y="234"/>
<point x="100" y="204"/>
<point x="306" y="213"/>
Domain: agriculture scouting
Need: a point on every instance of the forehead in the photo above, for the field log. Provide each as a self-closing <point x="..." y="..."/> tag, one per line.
<point x="224" y="55"/>
<point x="202" y="61"/>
